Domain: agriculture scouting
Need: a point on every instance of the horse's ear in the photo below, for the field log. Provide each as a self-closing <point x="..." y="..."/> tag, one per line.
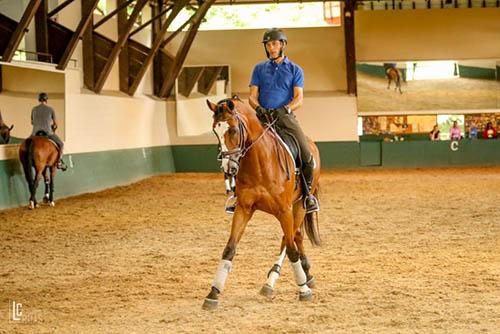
<point x="11" y="127"/>
<point x="212" y="106"/>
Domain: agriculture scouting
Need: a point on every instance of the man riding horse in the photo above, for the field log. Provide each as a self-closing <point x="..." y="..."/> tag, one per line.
<point x="276" y="90"/>
<point x="44" y="121"/>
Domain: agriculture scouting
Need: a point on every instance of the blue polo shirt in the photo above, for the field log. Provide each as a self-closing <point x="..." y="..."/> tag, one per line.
<point x="276" y="82"/>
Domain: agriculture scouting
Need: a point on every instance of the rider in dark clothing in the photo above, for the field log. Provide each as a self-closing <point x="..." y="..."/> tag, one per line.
<point x="276" y="88"/>
<point x="43" y="118"/>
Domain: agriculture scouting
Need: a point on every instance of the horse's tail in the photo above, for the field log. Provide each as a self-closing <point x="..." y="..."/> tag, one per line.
<point x="28" y="161"/>
<point x="311" y="223"/>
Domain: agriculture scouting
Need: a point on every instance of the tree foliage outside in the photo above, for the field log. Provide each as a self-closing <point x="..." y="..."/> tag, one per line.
<point x="259" y="16"/>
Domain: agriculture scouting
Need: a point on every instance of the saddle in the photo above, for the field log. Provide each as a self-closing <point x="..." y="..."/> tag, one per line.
<point x="41" y="133"/>
<point x="290" y="144"/>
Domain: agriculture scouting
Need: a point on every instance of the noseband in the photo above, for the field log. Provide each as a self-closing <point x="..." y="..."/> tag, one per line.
<point x="234" y="155"/>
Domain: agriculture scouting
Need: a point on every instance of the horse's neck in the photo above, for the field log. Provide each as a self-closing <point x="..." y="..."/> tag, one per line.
<point x="262" y="160"/>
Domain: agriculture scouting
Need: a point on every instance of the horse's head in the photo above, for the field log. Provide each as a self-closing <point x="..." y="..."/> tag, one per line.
<point x="5" y="133"/>
<point x="231" y="131"/>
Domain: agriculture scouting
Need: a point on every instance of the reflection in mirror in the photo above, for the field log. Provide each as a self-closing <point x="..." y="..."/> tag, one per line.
<point x="19" y="89"/>
<point x="428" y="85"/>
<point x="418" y="127"/>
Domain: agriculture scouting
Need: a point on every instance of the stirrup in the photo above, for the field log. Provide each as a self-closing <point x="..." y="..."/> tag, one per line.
<point x="311" y="204"/>
<point x="230" y="206"/>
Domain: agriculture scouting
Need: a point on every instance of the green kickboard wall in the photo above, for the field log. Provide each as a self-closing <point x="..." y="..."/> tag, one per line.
<point x="87" y="172"/>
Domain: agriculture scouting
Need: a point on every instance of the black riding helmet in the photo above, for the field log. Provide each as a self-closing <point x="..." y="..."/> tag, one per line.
<point x="43" y="97"/>
<point x="274" y="34"/>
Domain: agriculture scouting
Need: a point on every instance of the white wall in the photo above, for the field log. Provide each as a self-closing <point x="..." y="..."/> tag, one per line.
<point x="108" y="122"/>
<point x="21" y="84"/>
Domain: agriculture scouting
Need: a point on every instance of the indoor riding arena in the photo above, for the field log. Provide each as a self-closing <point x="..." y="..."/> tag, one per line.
<point x="135" y="237"/>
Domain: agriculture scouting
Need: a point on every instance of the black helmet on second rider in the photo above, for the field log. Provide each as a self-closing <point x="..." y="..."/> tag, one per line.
<point x="274" y="34"/>
<point x="43" y="97"/>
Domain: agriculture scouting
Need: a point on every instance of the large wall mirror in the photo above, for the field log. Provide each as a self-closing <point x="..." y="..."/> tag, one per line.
<point x="19" y="89"/>
<point x="401" y="98"/>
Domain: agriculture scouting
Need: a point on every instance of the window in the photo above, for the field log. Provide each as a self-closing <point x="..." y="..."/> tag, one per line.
<point x="285" y="15"/>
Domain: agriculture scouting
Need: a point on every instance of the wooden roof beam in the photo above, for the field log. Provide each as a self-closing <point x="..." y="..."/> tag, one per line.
<point x="18" y="34"/>
<point x="59" y="8"/>
<point x="180" y="57"/>
<point x="145" y="24"/>
<point x="156" y="44"/>
<point x="112" y="13"/>
<point x="119" y="44"/>
<point x="350" y="47"/>
<point x="88" y="7"/>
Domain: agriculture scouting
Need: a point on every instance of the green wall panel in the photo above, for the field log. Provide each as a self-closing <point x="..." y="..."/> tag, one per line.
<point x="88" y="172"/>
<point x="476" y="72"/>
<point x="439" y="154"/>
<point x="196" y="158"/>
<point x="339" y="154"/>
<point x="370" y="153"/>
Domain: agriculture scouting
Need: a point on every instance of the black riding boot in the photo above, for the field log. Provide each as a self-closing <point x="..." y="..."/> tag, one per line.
<point x="311" y="203"/>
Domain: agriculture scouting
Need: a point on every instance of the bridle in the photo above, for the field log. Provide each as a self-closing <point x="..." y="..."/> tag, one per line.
<point x="236" y="154"/>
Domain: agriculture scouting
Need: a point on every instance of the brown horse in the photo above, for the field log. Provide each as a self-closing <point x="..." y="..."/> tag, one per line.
<point x="40" y="153"/>
<point x="393" y="74"/>
<point x="251" y="153"/>
<point x="5" y="133"/>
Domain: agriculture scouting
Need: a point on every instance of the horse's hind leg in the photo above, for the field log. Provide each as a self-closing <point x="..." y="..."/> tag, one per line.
<point x="304" y="261"/>
<point x="51" y="185"/>
<point x="299" y="216"/>
<point x="47" y="185"/>
<point x="289" y="231"/>
<point x="240" y="219"/>
<point x="274" y="273"/>
<point x="38" y="176"/>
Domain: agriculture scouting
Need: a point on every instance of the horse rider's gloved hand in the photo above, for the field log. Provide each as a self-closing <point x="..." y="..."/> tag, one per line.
<point x="263" y="114"/>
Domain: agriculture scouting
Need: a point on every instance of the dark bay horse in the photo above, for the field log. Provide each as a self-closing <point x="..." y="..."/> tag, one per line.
<point x="5" y="133"/>
<point x="40" y="153"/>
<point x="393" y="74"/>
<point x="251" y="153"/>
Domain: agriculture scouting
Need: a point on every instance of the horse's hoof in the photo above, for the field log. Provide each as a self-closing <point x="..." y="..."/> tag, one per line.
<point x="266" y="291"/>
<point x="305" y="296"/>
<point x="210" y="304"/>
<point x="31" y="205"/>
<point x="311" y="283"/>
<point x="52" y="203"/>
<point x="46" y="199"/>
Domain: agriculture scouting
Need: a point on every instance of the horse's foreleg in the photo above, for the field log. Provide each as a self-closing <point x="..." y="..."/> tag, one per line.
<point x="289" y="231"/>
<point x="274" y="273"/>
<point x="388" y="83"/>
<point x="240" y="220"/>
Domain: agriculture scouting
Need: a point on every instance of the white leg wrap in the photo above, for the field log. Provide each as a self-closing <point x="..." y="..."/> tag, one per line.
<point x="304" y="289"/>
<point x="221" y="274"/>
<point x="273" y="276"/>
<point x="300" y="275"/>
